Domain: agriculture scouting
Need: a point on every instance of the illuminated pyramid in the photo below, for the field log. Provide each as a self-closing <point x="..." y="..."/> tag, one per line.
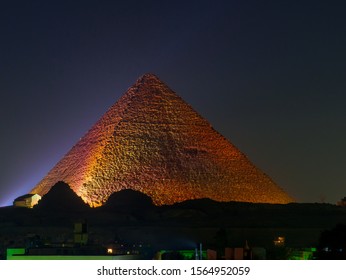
<point x="153" y="142"/>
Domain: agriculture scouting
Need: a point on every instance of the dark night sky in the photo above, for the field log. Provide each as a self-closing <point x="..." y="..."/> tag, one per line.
<point x="268" y="75"/>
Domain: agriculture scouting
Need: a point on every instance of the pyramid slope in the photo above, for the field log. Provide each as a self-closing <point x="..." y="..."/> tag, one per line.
<point x="153" y="142"/>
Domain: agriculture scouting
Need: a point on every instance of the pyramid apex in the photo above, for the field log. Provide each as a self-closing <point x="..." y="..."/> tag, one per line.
<point x="147" y="77"/>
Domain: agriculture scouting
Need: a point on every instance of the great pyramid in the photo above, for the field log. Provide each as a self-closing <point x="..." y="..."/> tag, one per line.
<point x="153" y="142"/>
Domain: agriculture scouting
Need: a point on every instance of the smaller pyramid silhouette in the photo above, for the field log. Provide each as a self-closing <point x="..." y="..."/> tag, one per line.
<point x="129" y="199"/>
<point x="152" y="141"/>
<point x="61" y="198"/>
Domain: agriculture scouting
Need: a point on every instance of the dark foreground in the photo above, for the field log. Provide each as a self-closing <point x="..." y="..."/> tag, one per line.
<point x="131" y="218"/>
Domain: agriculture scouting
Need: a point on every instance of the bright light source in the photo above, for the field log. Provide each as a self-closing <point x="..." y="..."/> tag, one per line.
<point x="279" y="241"/>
